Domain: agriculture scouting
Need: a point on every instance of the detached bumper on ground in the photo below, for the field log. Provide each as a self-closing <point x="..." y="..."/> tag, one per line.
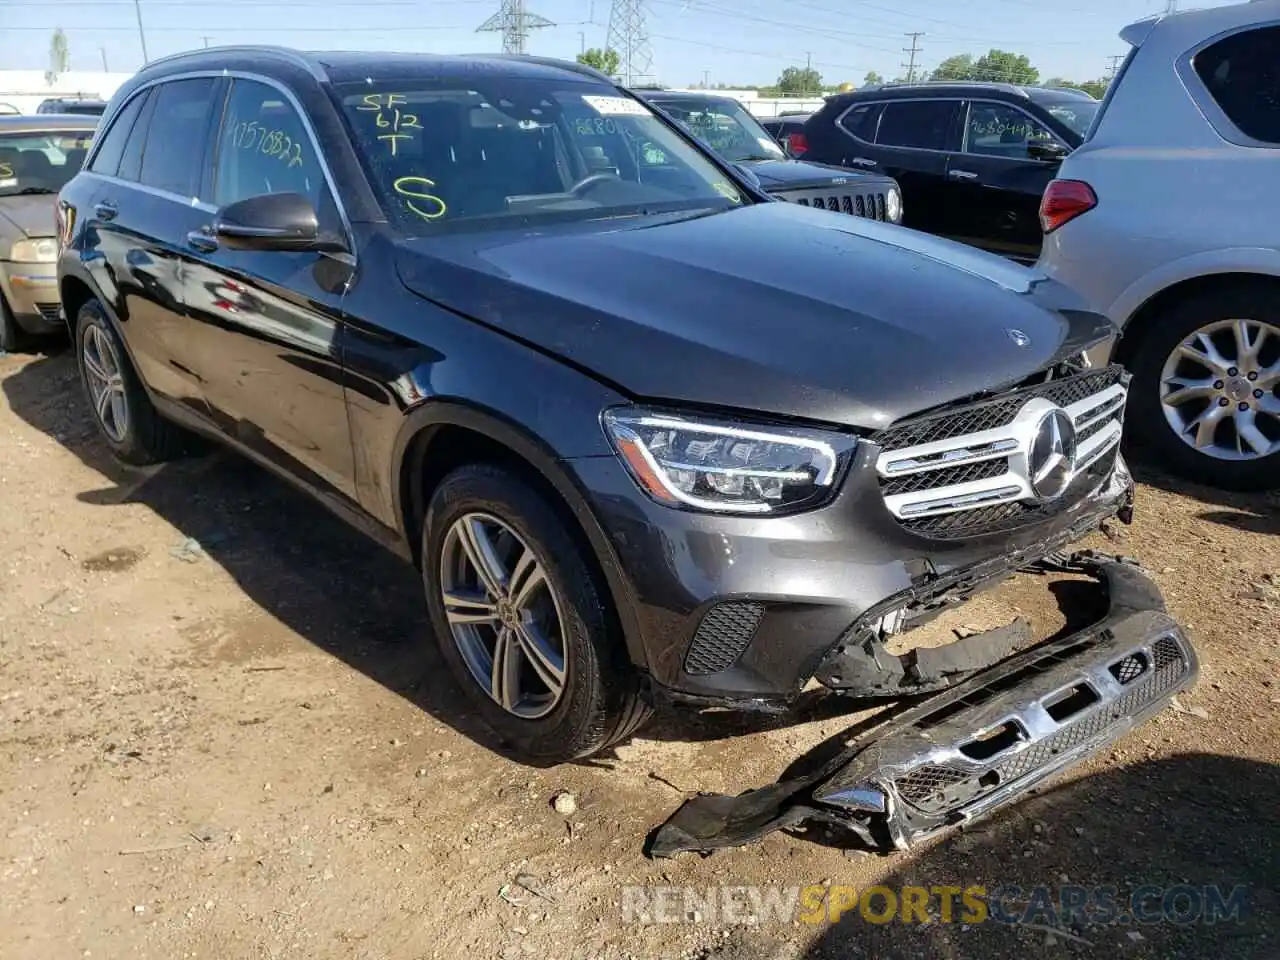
<point x="983" y="743"/>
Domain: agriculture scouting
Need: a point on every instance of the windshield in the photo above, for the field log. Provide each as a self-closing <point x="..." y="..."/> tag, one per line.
<point x="516" y="150"/>
<point x="1076" y="114"/>
<point x="32" y="163"/>
<point x="725" y="126"/>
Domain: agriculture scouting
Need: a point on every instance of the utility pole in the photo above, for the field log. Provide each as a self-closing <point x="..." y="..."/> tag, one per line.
<point x="103" y="51"/>
<point x="582" y="42"/>
<point x="142" y="35"/>
<point x="706" y="79"/>
<point x="514" y="22"/>
<point x="629" y="36"/>
<point x="808" y="72"/>
<point x="1115" y="65"/>
<point x="914" y="51"/>
<point x="1170" y="6"/>
<point x="206" y="42"/>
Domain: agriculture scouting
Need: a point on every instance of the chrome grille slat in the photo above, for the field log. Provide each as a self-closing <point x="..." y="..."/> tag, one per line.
<point x="859" y="204"/>
<point x="966" y="471"/>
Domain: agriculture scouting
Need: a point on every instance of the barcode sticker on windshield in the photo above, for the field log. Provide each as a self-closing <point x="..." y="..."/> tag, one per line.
<point x="616" y="106"/>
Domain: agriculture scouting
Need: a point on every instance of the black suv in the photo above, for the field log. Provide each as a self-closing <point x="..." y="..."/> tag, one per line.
<point x="973" y="159"/>
<point x="648" y="434"/>
<point x="728" y="128"/>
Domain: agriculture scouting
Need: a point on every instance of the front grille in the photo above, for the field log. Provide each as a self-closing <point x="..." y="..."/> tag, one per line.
<point x="870" y="205"/>
<point x="49" y="311"/>
<point x="928" y="782"/>
<point x="725" y="631"/>
<point x="962" y="472"/>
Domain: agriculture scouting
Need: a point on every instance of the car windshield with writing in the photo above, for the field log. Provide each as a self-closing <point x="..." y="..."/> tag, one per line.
<point x="725" y="126"/>
<point x="521" y="151"/>
<point x="35" y="163"/>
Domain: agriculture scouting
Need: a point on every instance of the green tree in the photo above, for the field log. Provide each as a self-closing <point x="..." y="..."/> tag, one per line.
<point x="606" y="60"/>
<point x="872" y="79"/>
<point x="1005" y="66"/>
<point x="59" y="56"/>
<point x="798" y="81"/>
<point x="1094" y="88"/>
<point x="959" y="67"/>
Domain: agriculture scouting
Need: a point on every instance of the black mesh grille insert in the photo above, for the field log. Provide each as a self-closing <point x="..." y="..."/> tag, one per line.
<point x="923" y="782"/>
<point x="945" y="477"/>
<point x="49" y="311"/>
<point x="1129" y="669"/>
<point x="988" y="414"/>
<point x="856" y="204"/>
<point x="725" y="631"/>
<point x="1165" y="652"/>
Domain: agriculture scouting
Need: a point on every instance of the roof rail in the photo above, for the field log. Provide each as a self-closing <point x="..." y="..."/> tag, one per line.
<point x="285" y="53"/>
<point x="571" y="65"/>
<point x="1013" y="88"/>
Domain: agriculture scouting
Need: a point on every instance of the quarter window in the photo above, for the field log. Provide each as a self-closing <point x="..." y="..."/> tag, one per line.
<point x="174" y="152"/>
<point x="861" y="121"/>
<point x="1242" y="74"/>
<point x="264" y="148"/>
<point x="920" y="124"/>
<point x="997" y="130"/>
<point x="107" y="159"/>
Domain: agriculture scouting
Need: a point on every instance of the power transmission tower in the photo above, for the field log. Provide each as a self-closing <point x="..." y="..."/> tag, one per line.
<point x="913" y="50"/>
<point x="1170" y="6"/>
<point x="630" y="38"/>
<point x="514" y="22"/>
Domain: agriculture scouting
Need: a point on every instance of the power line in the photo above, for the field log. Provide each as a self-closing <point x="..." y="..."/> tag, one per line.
<point x="629" y="36"/>
<point x="914" y="51"/>
<point x="514" y="22"/>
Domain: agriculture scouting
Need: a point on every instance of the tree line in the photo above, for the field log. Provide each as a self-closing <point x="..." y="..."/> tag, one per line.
<point x="807" y="81"/>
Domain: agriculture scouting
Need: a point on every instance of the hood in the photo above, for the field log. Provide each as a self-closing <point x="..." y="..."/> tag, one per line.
<point x="32" y="215"/>
<point x="791" y="174"/>
<point x="772" y="308"/>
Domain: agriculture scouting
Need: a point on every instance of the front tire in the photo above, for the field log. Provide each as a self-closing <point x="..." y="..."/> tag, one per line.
<point x="1205" y="399"/>
<point x="12" y="337"/>
<point x="126" y="419"/>
<point x="523" y="621"/>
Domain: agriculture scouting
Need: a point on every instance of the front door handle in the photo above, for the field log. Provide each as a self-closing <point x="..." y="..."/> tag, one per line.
<point x="962" y="175"/>
<point x="202" y="240"/>
<point x="106" y="210"/>
<point x="861" y="162"/>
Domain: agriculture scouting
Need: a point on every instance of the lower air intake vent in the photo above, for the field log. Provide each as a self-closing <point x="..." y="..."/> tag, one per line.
<point x="725" y="631"/>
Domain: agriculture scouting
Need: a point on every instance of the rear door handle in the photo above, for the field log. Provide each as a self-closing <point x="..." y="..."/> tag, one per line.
<point x="106" y="210"/>
<point x="861" y="162"/>
<point x="202" y="240"/>
<point x="962" y="175"/>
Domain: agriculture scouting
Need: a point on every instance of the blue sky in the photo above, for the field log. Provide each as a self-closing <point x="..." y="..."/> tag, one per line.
<point x="734" y="41"/>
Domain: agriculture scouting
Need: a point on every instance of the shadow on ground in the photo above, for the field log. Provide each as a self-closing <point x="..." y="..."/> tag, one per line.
<point x="304" y="566"/>
<point x="1257" y="512"/>
<point x="1192" y="822"/>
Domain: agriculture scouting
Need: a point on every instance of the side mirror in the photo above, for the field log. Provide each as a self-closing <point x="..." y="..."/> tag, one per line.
<point x="272" y="221"/>
<point x="1048" y="150"/>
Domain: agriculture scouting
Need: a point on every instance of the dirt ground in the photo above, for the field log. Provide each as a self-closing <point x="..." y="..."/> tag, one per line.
<point x="225" y="733"/>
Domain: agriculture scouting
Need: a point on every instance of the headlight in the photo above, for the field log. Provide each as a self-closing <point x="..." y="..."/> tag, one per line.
<point x="727" y="467"/>
<point x="44" y="250"/>
<point x="893" y="205"/>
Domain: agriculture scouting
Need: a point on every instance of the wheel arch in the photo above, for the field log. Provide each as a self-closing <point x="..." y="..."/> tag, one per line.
<point x="443" y="435"/>
<point x="1147" y="314"/>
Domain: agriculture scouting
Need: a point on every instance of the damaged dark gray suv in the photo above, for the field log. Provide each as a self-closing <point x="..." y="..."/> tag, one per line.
<point x="649" y="435"/>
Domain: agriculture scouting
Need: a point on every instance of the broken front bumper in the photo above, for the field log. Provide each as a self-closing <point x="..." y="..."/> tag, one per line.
<point x="982" y="743"/>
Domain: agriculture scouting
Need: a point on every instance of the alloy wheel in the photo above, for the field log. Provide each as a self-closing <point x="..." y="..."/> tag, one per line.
<point x="106" y="382"/>
<point x="504" y="614"/>
<point x="1218" y="389"/>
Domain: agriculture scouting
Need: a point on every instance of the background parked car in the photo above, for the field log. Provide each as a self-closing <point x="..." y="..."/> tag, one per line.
<point x="37" y="156"/>
<point x="69" y="105"/>
<point x="1165" y="220"/>
<point x="788" y="130"/>
<point x="973" y="159"/>
<point x="728" y="128"/>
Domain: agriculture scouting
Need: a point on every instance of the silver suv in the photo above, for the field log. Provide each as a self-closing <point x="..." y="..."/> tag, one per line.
<point x="1165" y="219"/>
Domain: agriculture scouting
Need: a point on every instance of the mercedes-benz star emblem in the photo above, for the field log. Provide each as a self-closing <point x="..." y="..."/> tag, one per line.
<point x="1019" y="338"/>
<point x="1052" y="458"/>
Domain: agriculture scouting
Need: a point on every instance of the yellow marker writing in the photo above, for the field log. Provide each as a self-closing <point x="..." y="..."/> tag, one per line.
<point x="408" y="187"/>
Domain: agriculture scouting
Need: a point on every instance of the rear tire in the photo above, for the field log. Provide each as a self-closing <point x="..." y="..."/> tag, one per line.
<point x="1236" y="465"/>
<point x="596" y="691"/>
<point x="126" y="418"/>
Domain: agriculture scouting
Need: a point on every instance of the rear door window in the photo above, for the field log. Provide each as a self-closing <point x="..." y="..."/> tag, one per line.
<point x="174" y="153"/>
<point x="107" y="159"/>
<point x="1242" y="74"/>
<point x="918" y="124"/>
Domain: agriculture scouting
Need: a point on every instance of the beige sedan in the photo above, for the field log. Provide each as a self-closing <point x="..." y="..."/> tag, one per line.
<point x="37" y="156"/>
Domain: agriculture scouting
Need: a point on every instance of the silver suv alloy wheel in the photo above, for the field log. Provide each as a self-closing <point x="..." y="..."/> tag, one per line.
<point x="1218" y="389"/>
<point x="106" y="383"/>
<point x="504" y="614"/>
